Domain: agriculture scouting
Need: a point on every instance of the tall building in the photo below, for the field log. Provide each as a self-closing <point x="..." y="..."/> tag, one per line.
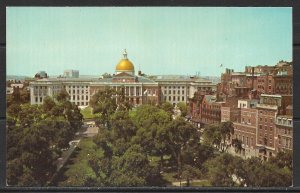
<point x="71" y="74"/>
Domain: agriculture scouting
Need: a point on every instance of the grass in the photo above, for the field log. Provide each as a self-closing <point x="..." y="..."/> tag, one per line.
<point x="201" y="183"/>
<point x="170" y="177"/>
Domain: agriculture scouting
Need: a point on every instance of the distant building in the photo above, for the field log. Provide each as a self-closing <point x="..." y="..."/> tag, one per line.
<point x="71" y="74"/>
<point x="284" y="132"/>
<point x="137" y="89"/>
<point x="245" y="130"/>
<point x="269" y="108"/>
<point x="247" y="103"/>
<point x="175" y="89"/>
<point x="41" y="75"/>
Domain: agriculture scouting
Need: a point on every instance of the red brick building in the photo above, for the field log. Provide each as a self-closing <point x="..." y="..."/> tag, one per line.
<point x="284" y="132"/>
<point x="230" y="114"/>
<point x="245" y="130"/>
<point x="270" y="106"/>
<point x="283" y="84"/>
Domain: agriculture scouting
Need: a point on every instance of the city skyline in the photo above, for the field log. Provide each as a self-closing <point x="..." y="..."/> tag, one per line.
<point x="158" y="40"/>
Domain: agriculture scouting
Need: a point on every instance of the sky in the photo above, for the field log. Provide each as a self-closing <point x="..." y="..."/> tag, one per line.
<point x="158" y="40"/>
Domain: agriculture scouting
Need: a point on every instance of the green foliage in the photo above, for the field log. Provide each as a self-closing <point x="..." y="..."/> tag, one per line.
<point x="237" y="144"/>
<point x="283" y="159"/>
<point x="168" y="107"/>
<point x="88" y="113"/>
<point x="19" y="96"/>
<point x="35" y="137"/>
<point x="183" y="108"/>
<point x="228" y="170"/>
<point x="219" y="135"/>
<point x="221" y="170"/>
<point x="105" y="104"/>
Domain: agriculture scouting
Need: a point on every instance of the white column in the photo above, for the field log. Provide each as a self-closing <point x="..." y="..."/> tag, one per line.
<point x="129" y="89"/>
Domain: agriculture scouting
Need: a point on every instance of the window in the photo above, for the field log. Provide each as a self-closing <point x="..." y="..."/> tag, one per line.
<point x="165" y="92"/>
<point x="82" y="97"/>
<point x="41" y="99"/>
<point x="87" y="97"/>
<point x="178" y="92"/>
<point x="36" y="99"/>
<point x="182" y="91"/>
<point x="247" y="141"/>
<point x="169" y="98"/>
<point x="183" y="98"/>
<point x="169" y="91"/>
<point x="174" y="98"/>
<point x="260" y="126"/>
<point x="78" y="98"/>
<point x="173" y="91"/>
<point x="178" y="98"/>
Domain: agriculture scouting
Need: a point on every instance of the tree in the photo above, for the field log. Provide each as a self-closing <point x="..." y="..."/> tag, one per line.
<point x="122" y="126"/>
<point x="181" y="136"/>
<point x="103" y="102"/>
<point x="35" y="137"/>
<point x="237" y="144"/>
<point x="227" y="130"/>
<point x="189" y="172"/>
<point x="222" y="170"/>
<point x="219" y="135"/>
<point x="283" y="159"/>
<point x="131" y="169"/>
<point x="151" y="123"/>
<point x="183" y="108"/>
<point x="168" y="107"/>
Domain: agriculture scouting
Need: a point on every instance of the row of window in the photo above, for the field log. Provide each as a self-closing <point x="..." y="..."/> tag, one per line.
<point x="174" y="98"/>
<point x="266" y="128"/>
<point x="174" y="92"/>
<point x="266" y="120"/>
<point x="82" y="97"/>
<point x="78" y="91"/>
<point x="245" y="140"/>
<point x="77" y="87"/>
<point x="285" y="142"/>
<point x="81" y="103"/>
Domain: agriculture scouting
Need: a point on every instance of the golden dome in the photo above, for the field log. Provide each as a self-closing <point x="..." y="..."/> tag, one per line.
<point x="125" y="65"/>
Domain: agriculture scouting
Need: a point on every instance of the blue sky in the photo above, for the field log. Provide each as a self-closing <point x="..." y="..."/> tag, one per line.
<point x="161" y="40"/>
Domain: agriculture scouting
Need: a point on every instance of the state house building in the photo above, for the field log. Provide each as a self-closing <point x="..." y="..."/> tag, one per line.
<point x="137" y="88"/>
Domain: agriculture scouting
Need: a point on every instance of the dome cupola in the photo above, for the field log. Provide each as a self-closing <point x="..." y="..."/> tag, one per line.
<point x="125" y="65"/>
